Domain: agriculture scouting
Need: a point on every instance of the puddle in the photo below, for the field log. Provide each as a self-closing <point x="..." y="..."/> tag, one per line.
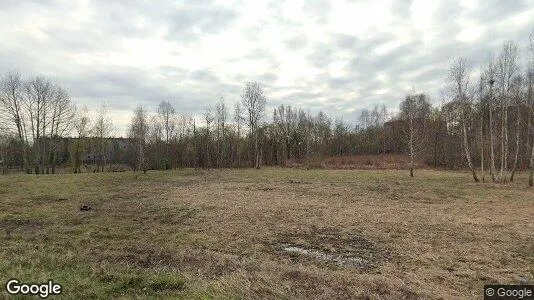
<point x="339" y="260"/>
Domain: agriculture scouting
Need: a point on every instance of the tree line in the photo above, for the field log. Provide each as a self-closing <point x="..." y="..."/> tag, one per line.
<point x="483" y="123"/>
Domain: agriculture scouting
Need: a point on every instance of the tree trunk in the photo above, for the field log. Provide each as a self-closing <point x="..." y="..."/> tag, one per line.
<point x="531" y="175"/>
<point x="25" y="159"/>
<point x="208" y="149"/>
<point x="482" y="145"/>
<point x="256" y="149"/>
<point x="411" y="146"/>
<point x="501" y="175"/>
<point x="102" y="154"/>
<point x="467" y="154"/>
<point x="222" y="160"/>
<point x="517" y="140"/>
<point x="54" y="156"/>
<point x="505" y="140"/>
<point x="492" y="151"/>
<point x="482" y="150"/>
<point x="238" y="148"/>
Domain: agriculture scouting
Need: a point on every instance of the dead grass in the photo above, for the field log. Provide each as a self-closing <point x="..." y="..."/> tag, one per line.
<point x="218" y="234"/>
<point x="360" y="162"/>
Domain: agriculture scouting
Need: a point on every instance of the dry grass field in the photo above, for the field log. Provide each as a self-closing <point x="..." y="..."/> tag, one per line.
<point x="270" y="233"/>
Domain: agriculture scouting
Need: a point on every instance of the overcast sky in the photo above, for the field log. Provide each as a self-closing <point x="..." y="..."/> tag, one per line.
<point x="335" y="56"/>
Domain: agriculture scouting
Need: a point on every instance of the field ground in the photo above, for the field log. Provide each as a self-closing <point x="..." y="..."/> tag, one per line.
<point x="271" y="233"/>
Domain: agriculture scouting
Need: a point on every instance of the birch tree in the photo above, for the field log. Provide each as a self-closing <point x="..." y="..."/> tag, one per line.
<point x="253" y="101"/>
<point x="459" y="76"/>
<point x="102" y="128"/>
<point x="238" y="119"/>
<point x="208" y="118"/>
<point x="530" y="101"/>
<point x="517" y="99"/>
<point x="139" y="129"/>
<point x="414" y="110"/>
<point x="221" y="114"/>
<point x="489" y="79"/>
<point x="62" y="118"/>
<point x="82" y="125"/>
<point x="167" y="118"/>
<point x="506" y="69"/>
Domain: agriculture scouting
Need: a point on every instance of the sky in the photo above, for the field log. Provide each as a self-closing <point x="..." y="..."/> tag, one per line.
<point x="334" y="56"/>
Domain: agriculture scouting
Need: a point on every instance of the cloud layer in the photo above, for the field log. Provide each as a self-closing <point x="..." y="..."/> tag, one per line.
<point x="335" y="56"/>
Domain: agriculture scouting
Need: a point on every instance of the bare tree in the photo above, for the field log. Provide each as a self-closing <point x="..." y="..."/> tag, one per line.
<point x="155" y="137"/>
<point x="517" y="98"/>
<point x="481" y="110"/>
<point x="489" y="78"/>
<point x="12" y="107"/>
<point x="167" y="116"/>
<point x="506" y="69"/>
<point x="459" y="76"/>
<point x="253" y="102"/>
<point x="221" y="114"/>
<point x="82" y="122"/>
<point x="62" y="118"/>
<point x="285" y="120"/>
<point x="208" y="118"/>
<point x="238" y="118"/>
<point x="5" y="137"/>
<point x="530" y="101"/>
<point x="138" y="133"/>
<point x="39" y="92"/>
<point x="414" y="110"/>
<point x="102" y="128"/>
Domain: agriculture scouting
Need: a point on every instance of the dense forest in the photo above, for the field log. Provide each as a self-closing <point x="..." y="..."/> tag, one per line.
<point x="484" y="123"/>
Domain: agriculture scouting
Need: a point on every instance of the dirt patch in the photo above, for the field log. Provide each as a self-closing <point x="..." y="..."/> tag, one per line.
<point x="362" y="162"/>
<point x="258" y="188"/>
<point x="333" y="247"/>
<point x="9" y="226"/>
<point x="142" y="255"/>
<point x="296" y="181"/>
<point x="20" y="224"/>
<point x="173" y="215"/>
<point x="339" y="260"/>
<point x="47" y="199"/>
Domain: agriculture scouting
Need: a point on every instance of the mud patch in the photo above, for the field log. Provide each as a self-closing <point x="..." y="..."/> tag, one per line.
<point x="339" y="260"/>
<point x="333" y="247"/>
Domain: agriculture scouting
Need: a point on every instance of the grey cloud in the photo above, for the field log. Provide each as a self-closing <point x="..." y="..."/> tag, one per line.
<point x="204" y="76"/>
<point x="415" y="63"/>
<point x="494" y="10"/>
<point x="448" y="12"/>
<point x="184" y="21"/>
<point x="321" y="56"/>
<point x="259" y="53"/>
<point x="268" y="78"/>
<point x="297" y="42"/>
<point x="192" y="20"/>
<point x="401" y="8"/>
<point x="319" y="10"/>
<point x="344" y="41"/>
<point x="341" y="82"/>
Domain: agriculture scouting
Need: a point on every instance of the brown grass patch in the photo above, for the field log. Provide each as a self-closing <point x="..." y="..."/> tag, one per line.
<point x="361" y="162"/>
<point x="218" y="234"/>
